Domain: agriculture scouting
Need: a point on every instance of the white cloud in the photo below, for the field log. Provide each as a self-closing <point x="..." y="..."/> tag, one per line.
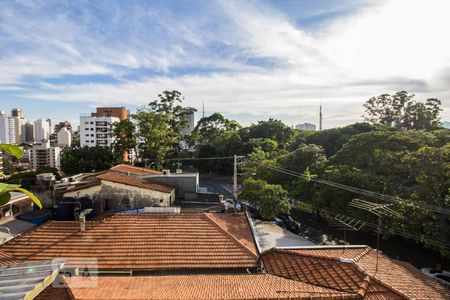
<point x="382" y="48"/>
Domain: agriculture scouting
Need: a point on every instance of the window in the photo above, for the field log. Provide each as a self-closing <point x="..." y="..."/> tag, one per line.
<point x="92" y="141"/>
<point x="161" y="200"/>
<point x="86" y="122"/>
<point x="92" y="134"/>
<point x="87" y="134"/>
<point x="92" y="122"/>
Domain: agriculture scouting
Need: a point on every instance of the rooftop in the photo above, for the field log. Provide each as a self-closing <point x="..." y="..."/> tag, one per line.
<point x="353" y="271"/>
<point x="137" y="182"/>
<point x="123" y="168"/>
<point x="262" y="286"/>
<point x="144" y="242"/>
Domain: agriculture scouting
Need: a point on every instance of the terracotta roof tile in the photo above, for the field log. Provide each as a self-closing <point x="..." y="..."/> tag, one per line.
<point x="237" y="227"/>
<point x="137" y="182"/>
<point x="211" y="287"/>
<point x="349" y="253"/>
<point x="392" y="281"/>
<point x="321" y="271"/>
<point x="6" y="259"/>
<point x="123" y="168"/>
<point x="137" y="242"/>
<point x="408" y="281"/>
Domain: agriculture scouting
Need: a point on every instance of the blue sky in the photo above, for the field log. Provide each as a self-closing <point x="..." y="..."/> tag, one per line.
<point x="249" y="60"/>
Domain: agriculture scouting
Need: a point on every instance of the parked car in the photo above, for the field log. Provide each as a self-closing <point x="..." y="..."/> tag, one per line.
<point x="289" y="223"/>
<point x="279" y="222"/>
<point x="442" y="277"/>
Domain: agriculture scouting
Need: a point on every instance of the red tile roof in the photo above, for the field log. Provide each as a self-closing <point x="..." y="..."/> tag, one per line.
<point x="137" y="182"/>
<point x="6" y="259"/>
<point x="123" y="168"/>
<point x="213" y="287"/>
<point x="143" y="242"/>
<point x="324" y="267"/>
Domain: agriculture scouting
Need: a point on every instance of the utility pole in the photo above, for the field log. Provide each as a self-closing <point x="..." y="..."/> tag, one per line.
<point x="320" y="118"/>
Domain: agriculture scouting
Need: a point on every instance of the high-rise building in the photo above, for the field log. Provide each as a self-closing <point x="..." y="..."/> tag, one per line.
<point x="96" y="130"/>
<point x="41" y="155"/>
<point x="63" y="124"/>
<point x="64" y="137"/>
<point x="17" y="112"/>
<point x="41" y="130"/>
<point x="306" y="126"/>
<point x="19" y="129"/>
<point x="28" y="129"/>
<point x="118" y="112"/>
<point x="7" y="129"/>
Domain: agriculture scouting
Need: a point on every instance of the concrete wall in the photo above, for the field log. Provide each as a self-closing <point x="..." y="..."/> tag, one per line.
<point x="185" y="183"/>
<point x="111" y="196"/>
<point x="87" y="192"/>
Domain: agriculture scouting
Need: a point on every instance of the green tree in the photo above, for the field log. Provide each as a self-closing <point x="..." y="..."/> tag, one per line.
<point x="86" y="159"/>
<point x="124" y="133"/>
<point x="160" y="126"/>
<point x="271" y="129"/>
<point x="271" y="199"/>
<point x="311" y="157"/>
<point x="401" y="111"/>
<point x="210" y="128"/>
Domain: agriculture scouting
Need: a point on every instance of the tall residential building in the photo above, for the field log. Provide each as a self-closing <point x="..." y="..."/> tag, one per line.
<point x="118" y="112"/>
<point x="61" y="125"/>
<point x="17" y="112"/>
<point x="64" y="137"/>
<point x="28" y="129"/>
<point x="96" y="130"/>
<point x="41" y="155"/>
<point x="41" y="130"/>
<point x="19" y="129"/>
<point x="306" y="126"/>
<point x="7" y="129"/>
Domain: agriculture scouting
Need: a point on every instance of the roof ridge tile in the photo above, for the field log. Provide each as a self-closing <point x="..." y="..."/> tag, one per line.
<point x="230" y="235"/>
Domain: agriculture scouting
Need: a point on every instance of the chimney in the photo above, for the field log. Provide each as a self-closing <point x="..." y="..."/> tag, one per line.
<point x="82" y="223"/>
<point x="82" y="218"/>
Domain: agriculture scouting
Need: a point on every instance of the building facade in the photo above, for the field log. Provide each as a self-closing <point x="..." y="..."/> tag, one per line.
<point x="41" y="155"/>
<point x="64" y="137"/>
<point x="96" y="130"/>
<point x="306" y="126"/>
<point x="41" y="130"/>
<point x="7" y="135"/>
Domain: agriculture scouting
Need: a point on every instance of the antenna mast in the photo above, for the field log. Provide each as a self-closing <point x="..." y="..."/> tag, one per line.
<point x="320" y="117"/>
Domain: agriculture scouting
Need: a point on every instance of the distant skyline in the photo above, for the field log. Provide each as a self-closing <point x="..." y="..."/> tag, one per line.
<point x="249" y="60"/>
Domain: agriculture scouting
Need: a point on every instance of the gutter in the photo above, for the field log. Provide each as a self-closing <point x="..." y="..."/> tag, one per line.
<point x="252" y="228"/>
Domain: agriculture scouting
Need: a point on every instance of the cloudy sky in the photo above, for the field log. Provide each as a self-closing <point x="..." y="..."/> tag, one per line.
<point x="249" y="60"/>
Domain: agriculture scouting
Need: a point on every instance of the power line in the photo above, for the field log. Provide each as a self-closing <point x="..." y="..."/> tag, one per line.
<point x="359" y="191"/>
<point x="194" y="158"/>
<point x="385" y="229"/>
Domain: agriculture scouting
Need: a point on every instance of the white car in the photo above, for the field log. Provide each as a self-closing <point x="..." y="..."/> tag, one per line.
<point x="442" y="277"/>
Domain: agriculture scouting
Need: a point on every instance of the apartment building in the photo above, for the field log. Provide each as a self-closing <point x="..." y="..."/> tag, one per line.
<point x="42" y="155"/>
<point x="95" y="130"/>
<point x="41" y="130"/>
<point x="7" y="129"/>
